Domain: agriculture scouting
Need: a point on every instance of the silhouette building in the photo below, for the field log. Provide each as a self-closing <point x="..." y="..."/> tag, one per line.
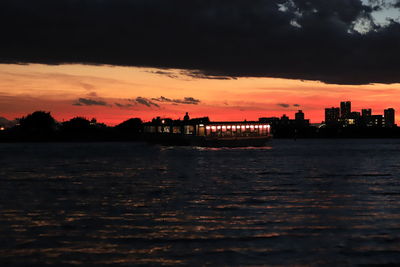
<point x="377" y="121"/>
<point x="389" y="117"/>
<point x="366" y="112"/>
<point x="331" y="115"/>
<point x="345" y="109"/>
<point x="299" y="116"/>
<point x="366" y="118"/>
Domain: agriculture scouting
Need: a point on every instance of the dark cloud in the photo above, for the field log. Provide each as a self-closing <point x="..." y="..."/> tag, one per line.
<point x="296" y="105"/>
<point x="185" y="100"/>
<point x="165" y="73"/>
<point x="332" y="41"/>
<point x="201" y="75"/>
<point x="144" y="101"/>
<point x="123" y="105"/>
<point x="283" y="105"/>
<point x="190" y="100"/>
<point x="89" y="102"/>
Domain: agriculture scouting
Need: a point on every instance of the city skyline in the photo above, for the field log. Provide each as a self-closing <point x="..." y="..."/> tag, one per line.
<point x="343" y="115"/>
<point x="346" y="116"/>
<point x="112" y="94"/>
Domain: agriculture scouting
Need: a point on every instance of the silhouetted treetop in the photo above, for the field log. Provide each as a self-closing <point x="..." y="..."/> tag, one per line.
<point x="77" y="123"/>
<point x="38" y="121"/>
<point x="133" y="125"/>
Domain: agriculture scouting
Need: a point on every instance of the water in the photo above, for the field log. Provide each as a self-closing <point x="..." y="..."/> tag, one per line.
<point x="304" y="202"/>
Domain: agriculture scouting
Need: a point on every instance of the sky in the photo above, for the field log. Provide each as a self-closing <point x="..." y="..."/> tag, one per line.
<point x="229" y="60"/>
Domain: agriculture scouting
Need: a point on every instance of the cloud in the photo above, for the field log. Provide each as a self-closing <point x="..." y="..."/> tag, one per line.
<point x="296" y="105"/>
<point x="198" y="74"/>
<point x="144" y="101"/>
<point x="283" y="105"/>
<point x="169" y="74"/>
<point x="94" y="94"/>
<point x="185" y="100"/>
<point x="123" y="105"/>
<point x="331" y="41"/>
<point x="89" y="102"/>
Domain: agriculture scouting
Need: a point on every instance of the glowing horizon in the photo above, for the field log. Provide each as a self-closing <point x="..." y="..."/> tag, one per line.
<point x="114" y="94"/>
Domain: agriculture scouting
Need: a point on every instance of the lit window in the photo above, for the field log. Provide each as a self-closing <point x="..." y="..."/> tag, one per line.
<point x="256" y="126"/>
<point x="208" y="127"/>
<point x="265" y="126"/>
<point x="247" y="126"/>
<point x="223" y="127"/>
<point x="218" y="127"/>
<point x="228" y="127"/>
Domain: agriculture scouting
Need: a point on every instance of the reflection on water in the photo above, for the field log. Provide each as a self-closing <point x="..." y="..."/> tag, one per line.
<point x="304" y="202"/>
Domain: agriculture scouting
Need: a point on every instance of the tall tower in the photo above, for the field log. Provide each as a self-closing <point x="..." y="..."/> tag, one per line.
<point x="389" y="117"/>
<point x="345" y="109"/>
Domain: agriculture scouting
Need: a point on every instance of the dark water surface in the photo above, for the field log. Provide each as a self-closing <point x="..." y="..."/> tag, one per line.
<point x="303" y="203"/>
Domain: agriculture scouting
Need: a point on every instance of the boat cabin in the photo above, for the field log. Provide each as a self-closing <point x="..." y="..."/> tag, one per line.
<point x="203" y="127"/>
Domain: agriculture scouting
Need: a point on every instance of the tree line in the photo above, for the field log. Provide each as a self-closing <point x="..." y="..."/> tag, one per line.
<point x="41" y="126"/>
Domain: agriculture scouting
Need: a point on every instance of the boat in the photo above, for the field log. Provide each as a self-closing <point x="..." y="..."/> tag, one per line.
<point x="202" y="132"/>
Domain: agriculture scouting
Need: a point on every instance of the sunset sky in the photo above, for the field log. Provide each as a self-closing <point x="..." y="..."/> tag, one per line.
<point x="229" y="60"/>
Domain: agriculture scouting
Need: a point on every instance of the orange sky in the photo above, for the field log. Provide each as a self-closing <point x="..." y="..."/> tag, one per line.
<point x="27" y="88"/>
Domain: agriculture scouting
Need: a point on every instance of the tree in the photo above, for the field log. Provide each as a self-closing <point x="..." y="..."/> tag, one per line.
<point x="133" y="125"/>
<point x="38" y="122"/>
<point x="76" y="124"/>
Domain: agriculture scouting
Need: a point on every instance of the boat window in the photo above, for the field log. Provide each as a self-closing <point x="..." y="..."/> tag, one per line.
<point x="188" y="129"/>
<point x="166" y="129"/>
<point x="201" y="130"/>
<point x="176" y="129"/>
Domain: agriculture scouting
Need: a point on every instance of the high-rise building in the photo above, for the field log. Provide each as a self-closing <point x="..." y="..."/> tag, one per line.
<point x="345" y="109"/>
<point x="299" y="116"/>
<point x="377" y="120"/>
<point x="332" y="115"/>
<point x="366" y="112"/>
<point x="389" y="117"/>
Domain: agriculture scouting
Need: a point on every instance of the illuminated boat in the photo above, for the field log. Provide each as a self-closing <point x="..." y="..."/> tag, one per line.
<point x="202" y="132"/>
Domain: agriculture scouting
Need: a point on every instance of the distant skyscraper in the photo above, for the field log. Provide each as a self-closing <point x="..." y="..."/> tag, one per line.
<point x="299" y="116"/>
<point x="366" y="112"/>
<point x="389" y="117"/>
<point x="377" y="120"/>
<point x="331" y="115"/>
<point x="345" y="109"/>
